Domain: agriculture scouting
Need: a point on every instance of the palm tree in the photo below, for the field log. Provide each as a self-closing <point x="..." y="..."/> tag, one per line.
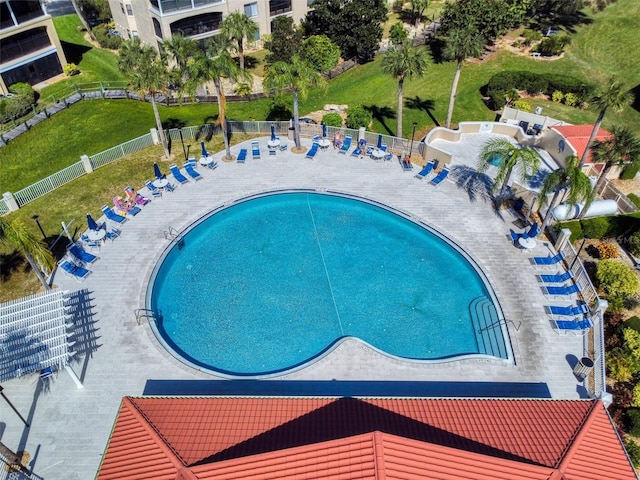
<point x="401" y="62"/>
<point x="461" y="44"/>
<point x="614" y="96"/>
<point x="569" y="179"/>
<point x="16" y="235"/>
<point x="507" y="156"/>
<point x="620" y="148"/>
<point x="237" y="26"/>
<point x="180" y="49"/>
<point x="214" y="65"/>
<point x="147" y="75"/>
<point x="296" y="76"/>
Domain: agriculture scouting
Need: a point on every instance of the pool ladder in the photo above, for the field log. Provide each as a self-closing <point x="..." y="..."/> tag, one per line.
<point x="173" y="235"/>
<point x="142" y="313"/>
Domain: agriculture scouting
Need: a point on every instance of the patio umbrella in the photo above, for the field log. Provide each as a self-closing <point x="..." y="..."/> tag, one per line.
<point x="273" y="132"/>
<point x="92" y="223"/>
<point x="379" y="144"/>
<point x="324" y="130"/>
<point x="156" y="170"/>
<point x="204" y="150"/>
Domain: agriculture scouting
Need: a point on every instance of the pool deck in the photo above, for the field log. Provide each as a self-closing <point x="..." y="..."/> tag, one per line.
<point x="70" y="426"/>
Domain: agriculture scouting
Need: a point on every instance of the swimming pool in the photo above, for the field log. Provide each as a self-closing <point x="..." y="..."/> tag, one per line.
<point x="273" y="282"/>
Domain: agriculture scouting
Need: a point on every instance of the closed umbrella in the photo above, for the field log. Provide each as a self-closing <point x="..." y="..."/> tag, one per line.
<point x="156" y="170"/>
<point x="379" y="144"/>
<point x="92" y="223"/>
<point x="204" y="150"/>
<point x="324" y="130"/>
<point x="273" y="132"/>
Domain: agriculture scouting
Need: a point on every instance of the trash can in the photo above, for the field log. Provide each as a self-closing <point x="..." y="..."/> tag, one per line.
<point x="582" y="368"/>
<point x="291" y="134"/>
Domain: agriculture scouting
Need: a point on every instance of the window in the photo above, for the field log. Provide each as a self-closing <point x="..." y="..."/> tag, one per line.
<point x="134" y="34"/>
<point x="156" y="27"/>
<point x="129" y="10"/>
<point x="251" y="9"/>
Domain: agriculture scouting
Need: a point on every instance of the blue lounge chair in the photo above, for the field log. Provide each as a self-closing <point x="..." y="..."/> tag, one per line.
<point x="113" y="216"/>
<point x="542" y="261"/>
<point x="313" y="150"/>
<point x="426" y="170"/>
<point x="255" y="150"/>
<point x="73" y="270"/>
<point x="242" y="156"/>
<point x="557" y="277"/>
<point x="155" y="191"/>
<point x="346" y="145"/>
<point x="568" y="311"/>
<point x="177" y="174"/>
<point x="440" y="177"/>
<point x="112" y="234"/>
<point x="533" y="232"/>
<point x="574" y="326"/>
<point x="192" y="172"/>
<point x="561" y="291"/>
<point x="80" y="255"/>
<point x="357" y="152"/>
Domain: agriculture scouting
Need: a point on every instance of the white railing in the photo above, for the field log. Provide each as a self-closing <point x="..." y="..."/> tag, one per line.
<point x="49" y="184"/>
<point x="114" y="153"/>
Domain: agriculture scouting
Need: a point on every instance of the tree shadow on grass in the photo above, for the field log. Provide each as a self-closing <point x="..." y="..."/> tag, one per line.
<point x="74" y="52"/>
<point x="382" y="114"/>
<point x="636" y="98"/>
<point x="426" y="105"/>
<point x="9" y="264"/>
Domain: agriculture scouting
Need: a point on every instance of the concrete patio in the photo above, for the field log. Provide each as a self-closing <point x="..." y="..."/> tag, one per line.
<point x="70" y="426"/>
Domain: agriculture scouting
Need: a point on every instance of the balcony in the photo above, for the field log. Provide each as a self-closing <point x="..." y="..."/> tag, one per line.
<point x="278" y="7"/>
<point x="22" y="11"/>
<point x="198" y="24"/>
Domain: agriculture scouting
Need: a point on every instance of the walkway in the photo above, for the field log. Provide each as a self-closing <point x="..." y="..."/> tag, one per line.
<point x="70" y="426"/>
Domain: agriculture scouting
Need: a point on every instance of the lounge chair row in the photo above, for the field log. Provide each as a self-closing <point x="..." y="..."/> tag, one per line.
<point x="440" y="177"/>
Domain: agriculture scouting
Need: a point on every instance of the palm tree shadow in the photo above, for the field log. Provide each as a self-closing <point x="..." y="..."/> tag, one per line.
<point x="10" y="263"/>
<point x="427" y="105"/>
<point x="382" y="114"/>
<point x="479" y="186"/>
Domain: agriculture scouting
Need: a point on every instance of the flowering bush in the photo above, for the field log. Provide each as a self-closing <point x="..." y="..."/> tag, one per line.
<point x="607" y="250"/>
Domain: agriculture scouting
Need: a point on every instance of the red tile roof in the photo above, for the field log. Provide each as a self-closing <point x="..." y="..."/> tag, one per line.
<point x="285" y="438"/>
<point x="578" y="137"/>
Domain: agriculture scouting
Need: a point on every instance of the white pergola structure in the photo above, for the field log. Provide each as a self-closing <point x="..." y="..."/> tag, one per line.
<point x="34" y="337"/>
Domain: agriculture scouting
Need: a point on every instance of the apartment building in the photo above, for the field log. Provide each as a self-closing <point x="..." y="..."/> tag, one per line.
<point x="154" y="21"/>
<point x="30" y="50"/>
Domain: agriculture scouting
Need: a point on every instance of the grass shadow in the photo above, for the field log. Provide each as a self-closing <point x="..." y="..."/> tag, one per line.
<point x="636" y="98"/>
<point x="382" y="114"/>
<point x="426" y="105"/>
<point x="10" y="263"/>
<point x="436" y="46"/>
<point x="74" y="52"/>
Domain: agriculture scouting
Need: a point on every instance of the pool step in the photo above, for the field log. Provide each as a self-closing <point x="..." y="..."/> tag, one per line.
<point x="487" y="327"/>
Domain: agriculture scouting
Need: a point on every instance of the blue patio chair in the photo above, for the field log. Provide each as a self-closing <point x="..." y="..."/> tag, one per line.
<point x="255" y="150"/>
<point x="283" y="147"/>
<point x="155" y="191"/>
<point x="440" y="177"/>
<point x="544" y="261"/>
<point x="80" y="255"/>
<point x="242" y="156"/>
<point x="346" y="145"/>
<point x="557" y="277"/>
<point x="533" y="232"/>
<point x="568" y="311"/>
<point x="177" y="174"/>
<point x="426" y="170"/>
<point x="113" y="216"/>
<point x="192" y="172"/>
<point x="561" y="291"/>
<point x="212" y="166"/>
<point x="272" y="151"/>
<point x="112" y="234"/>
<point x="74" y="271"/>
<point x="87" y="242"/>
<point x="579" y="327"/>
<point x="357" y="152"/>
<point x="312" y="151"/>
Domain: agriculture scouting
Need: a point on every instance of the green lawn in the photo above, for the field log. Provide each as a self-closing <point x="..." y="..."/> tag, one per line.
<point x="607" y="45"/>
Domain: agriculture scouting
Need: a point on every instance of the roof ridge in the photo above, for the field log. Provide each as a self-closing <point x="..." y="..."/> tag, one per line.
<point x="168" y="449"/>
<point x="378" y="455"/>
<point x="574" y="441"/>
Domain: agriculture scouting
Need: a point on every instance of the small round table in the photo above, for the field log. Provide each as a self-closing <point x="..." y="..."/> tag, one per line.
<point x="324" y="143"/>
<point x="96" y="235"/>
<point x="204" y="161"/>
<point x="378" y="154"/>
<point x="160" y="182"/>
<point x="273" y="143"/>
<point x="527" y="243"/>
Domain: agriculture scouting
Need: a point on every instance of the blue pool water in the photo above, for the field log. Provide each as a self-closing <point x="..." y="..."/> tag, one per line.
<point x="270" y="283"/>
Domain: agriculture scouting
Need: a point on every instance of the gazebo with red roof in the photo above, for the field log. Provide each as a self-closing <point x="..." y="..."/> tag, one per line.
<point x="578" y="137"/>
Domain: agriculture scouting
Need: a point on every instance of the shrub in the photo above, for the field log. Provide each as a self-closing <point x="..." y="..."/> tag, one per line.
<point x="630" y="171"/>
<point x="596" y="228"/>
<point x="635" y="199"/>
<point x="632" y="419"/>
<point x="607" y="250"/>
<point x="358" y="116"/>
<point x="553" y="45"/>
<point x="633" y="322"/>
<point x="17" y="105"/>
<point x="617" y="279"/>
<point x="571" y="99"/>
<point x="531" y="36"/>
<point x="71" y="69"/>
<point x="332" y="119"/>
<point x="242" y="89"/>
<point x="557" y="96"/>
<point x="634" y="244"/>
<point x="632" y="302"/>
<point x="105" y="40"/>
<point x="522" y="105"/>
<point x="633" y="449"/>
<point x="25" y="92"/>
<point x="624" y="362"/>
